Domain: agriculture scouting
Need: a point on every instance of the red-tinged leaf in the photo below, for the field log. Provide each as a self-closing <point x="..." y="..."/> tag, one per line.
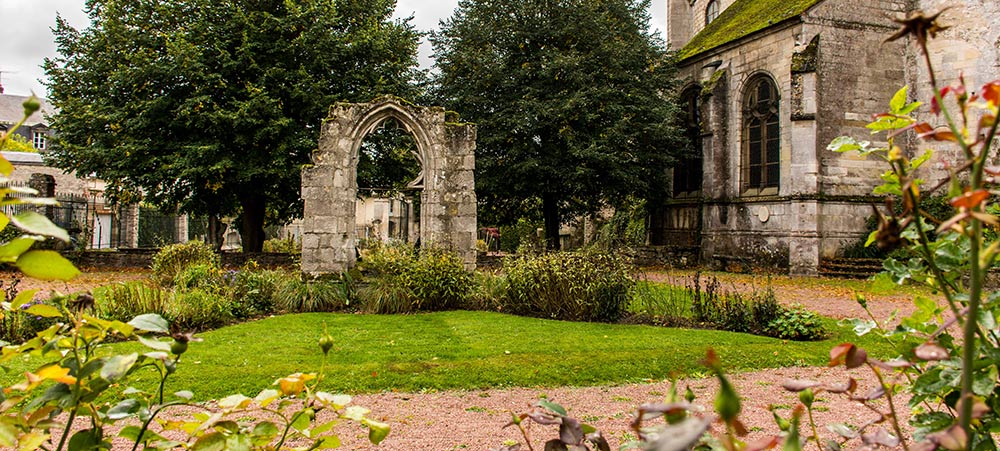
<point x="991" y="92"/>
<point x="740" y="428"/>
<point x="953" y="223"/>
<point x="893" y="364"/>
<point x="873" y="394"/>
<point x="847" y="387"/>
<point x="935" y="106"/>
<point x="984" y="217"/>
<point x="648" y="411"/>
<point x="979" y="407"/>
<point x="712" y="359"/>
<point x="799" y="385"/>
<point x="959" y="89"/>
<point x="938" y="135"/>
<point x="922" y="127"/>
<point x="880" y="437"/>
<point x="680" y="436"/>
<point x="953" y="438"/>
<point x="552" y="407"/>
<point x="763" y="444"/>
<point x="838" y="354"/>
<point x="970" y="199"/>
<point x="570" y="431"/>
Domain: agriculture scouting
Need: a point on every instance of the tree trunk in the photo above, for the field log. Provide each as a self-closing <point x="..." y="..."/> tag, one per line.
<point x="550" y="211"/>
<point x="252" y="223"/>
<point x="216" y="232"/>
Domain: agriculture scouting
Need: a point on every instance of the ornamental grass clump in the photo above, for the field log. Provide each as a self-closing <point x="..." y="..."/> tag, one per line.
<point x="403" y="279"/>
<point x="569" y="286"/>
<point x="173" y="259"/>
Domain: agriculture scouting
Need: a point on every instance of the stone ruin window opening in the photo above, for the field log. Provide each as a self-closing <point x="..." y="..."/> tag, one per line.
<point x="445" y="150"/>
<point x="390" y="183"/>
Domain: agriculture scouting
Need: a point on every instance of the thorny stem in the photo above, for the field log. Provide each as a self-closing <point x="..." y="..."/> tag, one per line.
<point x="524" y="433"/>
<point x="892" y="406"/>
<point x="971" y="326"/>
<point x="812" y="424"/>
<point x="288" y="425"/>
<point x="76" y="387"/>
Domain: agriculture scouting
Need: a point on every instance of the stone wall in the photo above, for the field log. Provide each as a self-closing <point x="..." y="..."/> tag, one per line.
<point x="143" y="259"/>
<point x="445" y="151"/>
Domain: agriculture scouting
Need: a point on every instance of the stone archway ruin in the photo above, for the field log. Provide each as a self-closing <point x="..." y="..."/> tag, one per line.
<point x="445" y="151"/>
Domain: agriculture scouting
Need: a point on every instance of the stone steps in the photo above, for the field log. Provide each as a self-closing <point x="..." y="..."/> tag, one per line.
<point x="852" y="268"/>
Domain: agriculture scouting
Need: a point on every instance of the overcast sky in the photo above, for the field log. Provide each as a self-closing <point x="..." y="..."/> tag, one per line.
<point x="26" y="37"/>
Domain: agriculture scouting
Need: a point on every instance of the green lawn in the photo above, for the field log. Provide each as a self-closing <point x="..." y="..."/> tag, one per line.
<point x="465" y="350"/>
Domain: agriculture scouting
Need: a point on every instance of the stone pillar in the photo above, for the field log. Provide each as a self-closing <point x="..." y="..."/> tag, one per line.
<point x="46" y="187"/>
<point x="182" y="229"/>
<point x="128" y="221"/>
<point x="804" y="240"/>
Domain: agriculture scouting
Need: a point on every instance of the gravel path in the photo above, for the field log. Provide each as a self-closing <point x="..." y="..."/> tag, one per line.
<point x="452" y="420"/>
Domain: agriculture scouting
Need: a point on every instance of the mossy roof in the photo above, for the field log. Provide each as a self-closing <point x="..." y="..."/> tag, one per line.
<point x="742" y="18"/>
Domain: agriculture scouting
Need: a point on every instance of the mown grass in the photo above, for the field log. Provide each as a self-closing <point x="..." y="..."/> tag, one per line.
<point x="464" y="350"/>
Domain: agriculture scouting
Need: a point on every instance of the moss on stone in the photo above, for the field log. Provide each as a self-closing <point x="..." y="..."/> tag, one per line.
<point x="741" y="19"/>
<point x="808" y="59"/>
<point x="709" y="86"/>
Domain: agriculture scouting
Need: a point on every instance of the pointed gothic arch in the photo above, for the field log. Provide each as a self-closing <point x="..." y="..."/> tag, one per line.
<point x="445" y="151"/>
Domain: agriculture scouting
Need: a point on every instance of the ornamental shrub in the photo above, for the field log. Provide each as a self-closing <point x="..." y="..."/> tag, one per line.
<point x="569" y="286"/>
<point x="295" y="295"/>
<point x="403" y="279"/>
<point x="199" y="309"/>
<point x="253" y="292"/>
<point x="126" y="300"/>
<point x="172" y="259"/>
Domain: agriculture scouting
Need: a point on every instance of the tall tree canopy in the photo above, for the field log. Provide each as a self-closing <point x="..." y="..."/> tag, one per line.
<point x="213" y="106"/>
<point x="571" y="99"/>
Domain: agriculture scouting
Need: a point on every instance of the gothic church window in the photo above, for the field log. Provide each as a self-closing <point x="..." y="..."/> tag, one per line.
<point x="761" y="143"/>
<point x="711" y="11"/>
<point x="688" y="171"/>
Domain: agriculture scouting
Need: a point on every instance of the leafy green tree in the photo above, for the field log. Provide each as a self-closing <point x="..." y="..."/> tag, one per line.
<point x="571" y="99"/>
<point x="213" y="106"/>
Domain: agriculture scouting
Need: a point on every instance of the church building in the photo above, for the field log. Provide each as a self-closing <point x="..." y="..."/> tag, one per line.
<point x="767" y="85"/>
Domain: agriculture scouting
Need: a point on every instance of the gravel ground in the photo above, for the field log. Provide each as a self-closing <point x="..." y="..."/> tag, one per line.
<point x="452" y="420"/>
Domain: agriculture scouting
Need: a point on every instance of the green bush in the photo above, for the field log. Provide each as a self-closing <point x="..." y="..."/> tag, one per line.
<point x="199" y="276"/>
<point x="199" y="309"/>
<point x="386" y="295"/>
<point x="661" y="304"/>
<point x="569" y="286"/>
<point x="797" y="323"/>
<point x="403" y="279"/>
<point x="438" y="280"/>
<point x="283" y="245"/>
<point x="734" y="311"/>
<point x="126" y="300"/>
<point x="253" y="292"/>
<point x="378" y="258"/>
<point x="172" y="259"/>
<point x="523" y="234"/>
<point x="488" y="292"/>
<point x="299" y="296"/>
